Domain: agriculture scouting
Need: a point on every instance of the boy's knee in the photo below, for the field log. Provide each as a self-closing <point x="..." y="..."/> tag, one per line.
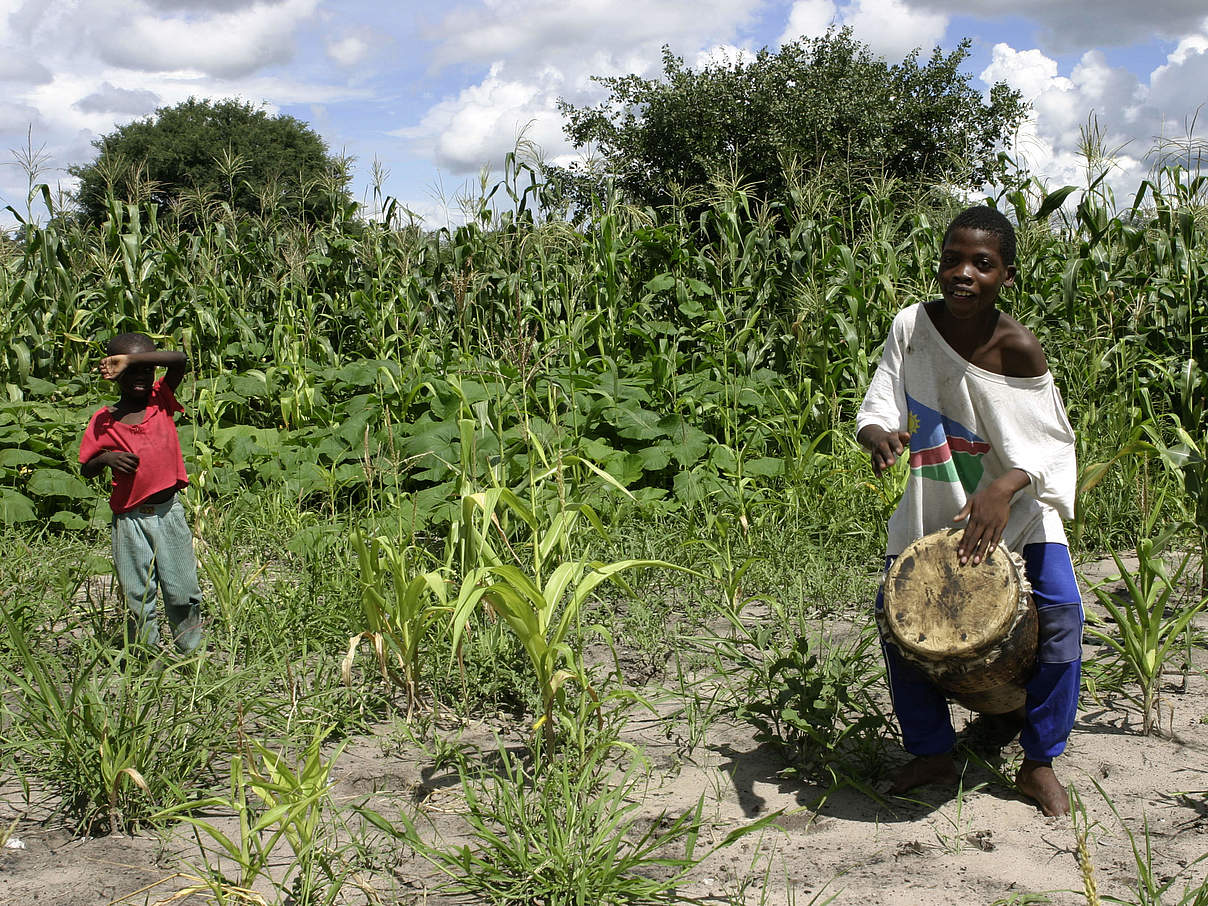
<point x="1060" y="634"/>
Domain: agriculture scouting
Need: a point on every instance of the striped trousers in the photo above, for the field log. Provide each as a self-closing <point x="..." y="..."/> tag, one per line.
<point x="153" y="555"/>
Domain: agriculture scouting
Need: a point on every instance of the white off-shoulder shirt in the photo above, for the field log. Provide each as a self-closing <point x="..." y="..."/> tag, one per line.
<point x="969" y="426"/>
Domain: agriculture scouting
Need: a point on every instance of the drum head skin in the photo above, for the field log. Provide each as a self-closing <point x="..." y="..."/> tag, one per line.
<point x="938" y="609"/>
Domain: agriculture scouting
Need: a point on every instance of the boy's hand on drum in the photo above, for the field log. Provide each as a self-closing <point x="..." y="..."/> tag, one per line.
<point x="987" y="512"/>
<point x="884" y="446"/>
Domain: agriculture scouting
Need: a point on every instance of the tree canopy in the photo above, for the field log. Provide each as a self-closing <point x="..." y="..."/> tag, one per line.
<point x="828" y="103"/>
<point x="201" y="151"/>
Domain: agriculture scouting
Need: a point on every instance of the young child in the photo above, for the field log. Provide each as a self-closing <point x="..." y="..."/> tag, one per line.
<point x="968" y="389"/>
<point x="136" y="438"/>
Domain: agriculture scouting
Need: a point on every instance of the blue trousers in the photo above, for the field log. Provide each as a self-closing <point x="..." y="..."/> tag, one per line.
<point x="152" y="553"/>
<point x="1052" y="692"/>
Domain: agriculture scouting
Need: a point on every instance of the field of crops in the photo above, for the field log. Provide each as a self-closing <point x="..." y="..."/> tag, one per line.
<point x="542" y="481"/>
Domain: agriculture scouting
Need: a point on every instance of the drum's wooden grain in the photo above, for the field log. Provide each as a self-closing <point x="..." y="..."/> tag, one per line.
<point x="971" y="629"/>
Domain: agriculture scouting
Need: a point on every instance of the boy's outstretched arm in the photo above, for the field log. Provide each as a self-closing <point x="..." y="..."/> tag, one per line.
<point x="173" y="360"/>
<point x="884" y="446"/>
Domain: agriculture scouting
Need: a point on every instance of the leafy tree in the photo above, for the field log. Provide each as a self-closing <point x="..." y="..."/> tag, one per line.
<point x="201" y="151"/>
<point x="828" y="103"/>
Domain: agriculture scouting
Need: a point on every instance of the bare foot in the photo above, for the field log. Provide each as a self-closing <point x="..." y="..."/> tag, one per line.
<point x="1038" y="782"/>
<point x="922" y="770"/>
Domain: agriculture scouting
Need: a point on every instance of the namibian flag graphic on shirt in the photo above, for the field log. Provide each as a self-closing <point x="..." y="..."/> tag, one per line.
<point x="943" y="449"/>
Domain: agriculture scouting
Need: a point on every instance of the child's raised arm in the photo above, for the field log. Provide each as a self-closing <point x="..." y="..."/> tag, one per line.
<point x="174" y="361"/>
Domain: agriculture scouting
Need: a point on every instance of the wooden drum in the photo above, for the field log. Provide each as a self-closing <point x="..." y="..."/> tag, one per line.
<point x="971" y="629"/>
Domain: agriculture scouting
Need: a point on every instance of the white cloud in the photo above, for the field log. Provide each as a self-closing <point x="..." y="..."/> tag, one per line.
<point x="194" y="6"/>
<point x="540" y="50"/>
<point x="225" y="44"/>
<point x="809" y="19"/>
<point x="1189" y="47"/>
<point x="354" y="46"/>
<point x="60" y="101"/>
<point x="20" y="19"/>
<point x="16" y="117"/>
<point x="108" y="98"/>
<point x="575" y="29"/>
<point x="349" y="50"/>
<point x="1066" y="26"/>
<point x="1028" y="71"/>
<point x="432" y="213"/>
<point x="1179" y="83"/>
<point x="1096" y="97"/>
<point x="892" y="28"/>
<point x="1176" y="89"/>
<point x="18" y="67"/>
<point x="1100" y="84"/>
<point x="723" y="55"/>
<point x="483" y="121"/>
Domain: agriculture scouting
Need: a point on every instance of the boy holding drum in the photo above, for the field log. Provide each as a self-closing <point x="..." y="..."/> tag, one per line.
<point x="967" y="388"/>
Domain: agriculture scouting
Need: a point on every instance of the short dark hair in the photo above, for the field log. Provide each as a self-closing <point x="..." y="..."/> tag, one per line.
<point x="129" y="342"/>
<point x="984" y="218"/>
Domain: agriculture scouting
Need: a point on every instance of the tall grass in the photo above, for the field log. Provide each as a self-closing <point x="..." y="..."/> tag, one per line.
<point x="697" y="358"/>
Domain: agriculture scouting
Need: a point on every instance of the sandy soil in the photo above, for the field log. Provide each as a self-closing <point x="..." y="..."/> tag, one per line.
<point x="979" y="845"/>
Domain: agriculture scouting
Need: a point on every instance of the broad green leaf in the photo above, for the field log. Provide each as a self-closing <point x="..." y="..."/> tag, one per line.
<point x="250" y="385"/>
<point x="17" y="457"/>
<point x="428" y="436"/>
<point x="687" y="442"/>
<point x="654" y="459"/>
<point x="723" y="459"/>
<point x="595" y="449"/>
<point x="358" y="374"/>
<point x="69" y="520"/>
<point x="625" y="468"/>
<point x="57" y="483"/>
<point x="16" y="507"/>
<point x="634" y="422"/>
<point x="659" y="283"/>
<point x="765" y="467"/>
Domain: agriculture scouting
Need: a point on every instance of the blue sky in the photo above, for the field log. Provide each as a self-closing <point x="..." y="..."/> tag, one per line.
<point x="436" y="91"/>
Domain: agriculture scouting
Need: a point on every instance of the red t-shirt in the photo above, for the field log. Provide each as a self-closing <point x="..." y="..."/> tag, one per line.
<point x="154" y="441"/>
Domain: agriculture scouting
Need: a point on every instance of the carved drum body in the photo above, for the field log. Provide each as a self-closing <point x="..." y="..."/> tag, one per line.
<point x="971" y="629"/>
